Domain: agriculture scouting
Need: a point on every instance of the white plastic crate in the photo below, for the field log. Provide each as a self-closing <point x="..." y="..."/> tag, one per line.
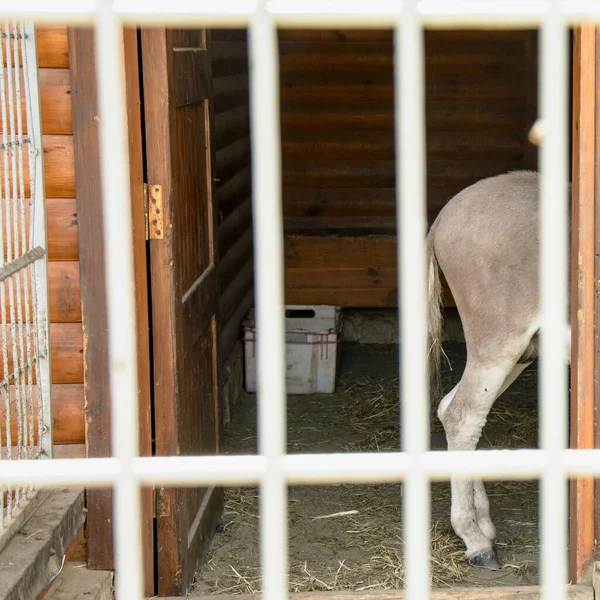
<point x="311" y="349"/>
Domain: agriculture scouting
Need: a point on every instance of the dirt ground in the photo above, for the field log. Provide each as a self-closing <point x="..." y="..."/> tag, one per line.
<point x="362" y="548"/>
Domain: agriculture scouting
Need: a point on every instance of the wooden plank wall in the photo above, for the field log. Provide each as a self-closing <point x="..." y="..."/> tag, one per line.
<point x="66" y="337"/>
<point x="233" y="183"/>
<point x="338" y="146"/>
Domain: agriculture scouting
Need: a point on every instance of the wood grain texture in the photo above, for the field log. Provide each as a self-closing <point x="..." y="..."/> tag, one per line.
<point x="183" y="267"/>
<point x="53" y="47"/>
<point x="64" y="296"/>
<point x="359" y="270"/>
<point x="61" y="225"/>
<point x="136" y="169"/>
<point x="338" y="147"/>
<point x="66" y="351"/>
<point x="55" y="101"/>
<point x="582" y="512"/>
<point x="67" y="413"/>
<point x="233" y="189"/>
<point x="93" y="298"/>
<point x="59" y="167"/>
<point x="596" y="312"/>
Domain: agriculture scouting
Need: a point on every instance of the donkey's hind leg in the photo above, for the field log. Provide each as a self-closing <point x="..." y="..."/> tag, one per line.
<point x="482" y="504"/>
<point x="463" y="417"/>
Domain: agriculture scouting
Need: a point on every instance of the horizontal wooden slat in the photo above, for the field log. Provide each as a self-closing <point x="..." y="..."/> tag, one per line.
<point x="360" y="257"/>
<point x="55" y="99"/>
<point x="232" y="228"/>
<point x="230" y="297"/>
<point x="348" y="87"/>
<point x="365" y="173"/>
<point x="67" y="414"/>
<point x="374" y="58"/>
<point x="61" y="225"/>
<point x="53" y="47"/>
<point x="231" y="193"/>
<point x="340" y="252"/>
<point x="324" y="277"/>
<point x="230" y="332"/>
<point x="469" y="116"/>
<point x="230" y="92"/>
<point x="385" y="36"/>
<point x="332" y="202"/>
<point x="66" y="352"/>
<point x="234" y="258"/>
<point x="59" y="167"/>
<point x="231" y="125"/>
<point x="232" y="159"/>
<point x="65" y="299"/>
<point x="374" y="145"/>
<point x="55" y="90"/>
<point x="352" y="298"/>
<point x="344" y="297"/>
<point x="327" y="203"/>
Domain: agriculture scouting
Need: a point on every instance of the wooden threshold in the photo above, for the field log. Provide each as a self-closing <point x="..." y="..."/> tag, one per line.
<point x="534" y="592"/>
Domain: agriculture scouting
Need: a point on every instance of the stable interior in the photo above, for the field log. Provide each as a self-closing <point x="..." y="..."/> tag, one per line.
<point x="337" y="131"/>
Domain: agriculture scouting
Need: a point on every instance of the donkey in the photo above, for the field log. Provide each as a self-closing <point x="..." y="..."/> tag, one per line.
<point x="485" y="240"/>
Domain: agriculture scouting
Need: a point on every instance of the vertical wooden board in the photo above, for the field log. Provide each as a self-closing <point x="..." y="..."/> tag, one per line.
<point x="130" y="41"/>
<point x="597" y="305"/>
<point x="93" y="295"/>
<point x="183" y="282"/>
<point x="583" y="294"/>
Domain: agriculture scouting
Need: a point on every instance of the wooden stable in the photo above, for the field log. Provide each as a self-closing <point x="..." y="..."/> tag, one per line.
<point x="195" y="284"/>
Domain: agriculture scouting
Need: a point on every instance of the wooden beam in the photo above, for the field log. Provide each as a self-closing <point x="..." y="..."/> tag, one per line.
<point x="534" y="592"/>
<point x="582" y="530"/>
<point x="93" y="296"/>
<point x="597" y="311"/>
<point x="136" y="165"/>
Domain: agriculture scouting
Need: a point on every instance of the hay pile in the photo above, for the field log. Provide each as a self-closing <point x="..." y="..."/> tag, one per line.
<point x="349" y="537"/>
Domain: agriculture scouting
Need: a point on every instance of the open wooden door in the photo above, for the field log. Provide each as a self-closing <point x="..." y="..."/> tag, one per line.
<point x="183" y="280"/>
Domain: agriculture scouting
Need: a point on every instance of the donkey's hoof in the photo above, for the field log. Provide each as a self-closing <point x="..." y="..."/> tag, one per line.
<point x="486" y="559"/>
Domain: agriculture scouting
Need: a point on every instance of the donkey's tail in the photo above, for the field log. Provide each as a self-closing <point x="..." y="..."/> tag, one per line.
<point x="434" y="318"/>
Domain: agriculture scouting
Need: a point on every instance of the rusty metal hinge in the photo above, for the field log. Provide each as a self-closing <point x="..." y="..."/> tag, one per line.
<point x="153" y="206"/>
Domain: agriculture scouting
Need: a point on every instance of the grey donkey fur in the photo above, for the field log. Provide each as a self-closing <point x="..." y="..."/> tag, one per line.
<point x="486" y="242"/>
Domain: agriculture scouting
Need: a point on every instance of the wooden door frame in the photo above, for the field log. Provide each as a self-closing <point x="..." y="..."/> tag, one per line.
<point x="93" y="295"/>
<point x="585" y="307"/>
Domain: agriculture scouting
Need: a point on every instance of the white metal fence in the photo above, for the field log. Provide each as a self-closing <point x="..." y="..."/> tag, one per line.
<point x="272" y="469"/>
<point x="26" y="431"/>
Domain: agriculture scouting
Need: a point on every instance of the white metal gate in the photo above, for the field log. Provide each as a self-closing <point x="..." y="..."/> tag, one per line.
<point x="26" y="432"/>
<point x="272" y="468"/>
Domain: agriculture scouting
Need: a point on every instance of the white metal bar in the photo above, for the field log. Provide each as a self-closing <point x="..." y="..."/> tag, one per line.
<point x="554" y="289"/>
<point x="339" y="13"/>
<point x="38" y="237"/>
<point x="411" y="216"/>
<point x="120" y="291"/>
<point x="299" y="469"/>
<point x="268" y="252"/>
